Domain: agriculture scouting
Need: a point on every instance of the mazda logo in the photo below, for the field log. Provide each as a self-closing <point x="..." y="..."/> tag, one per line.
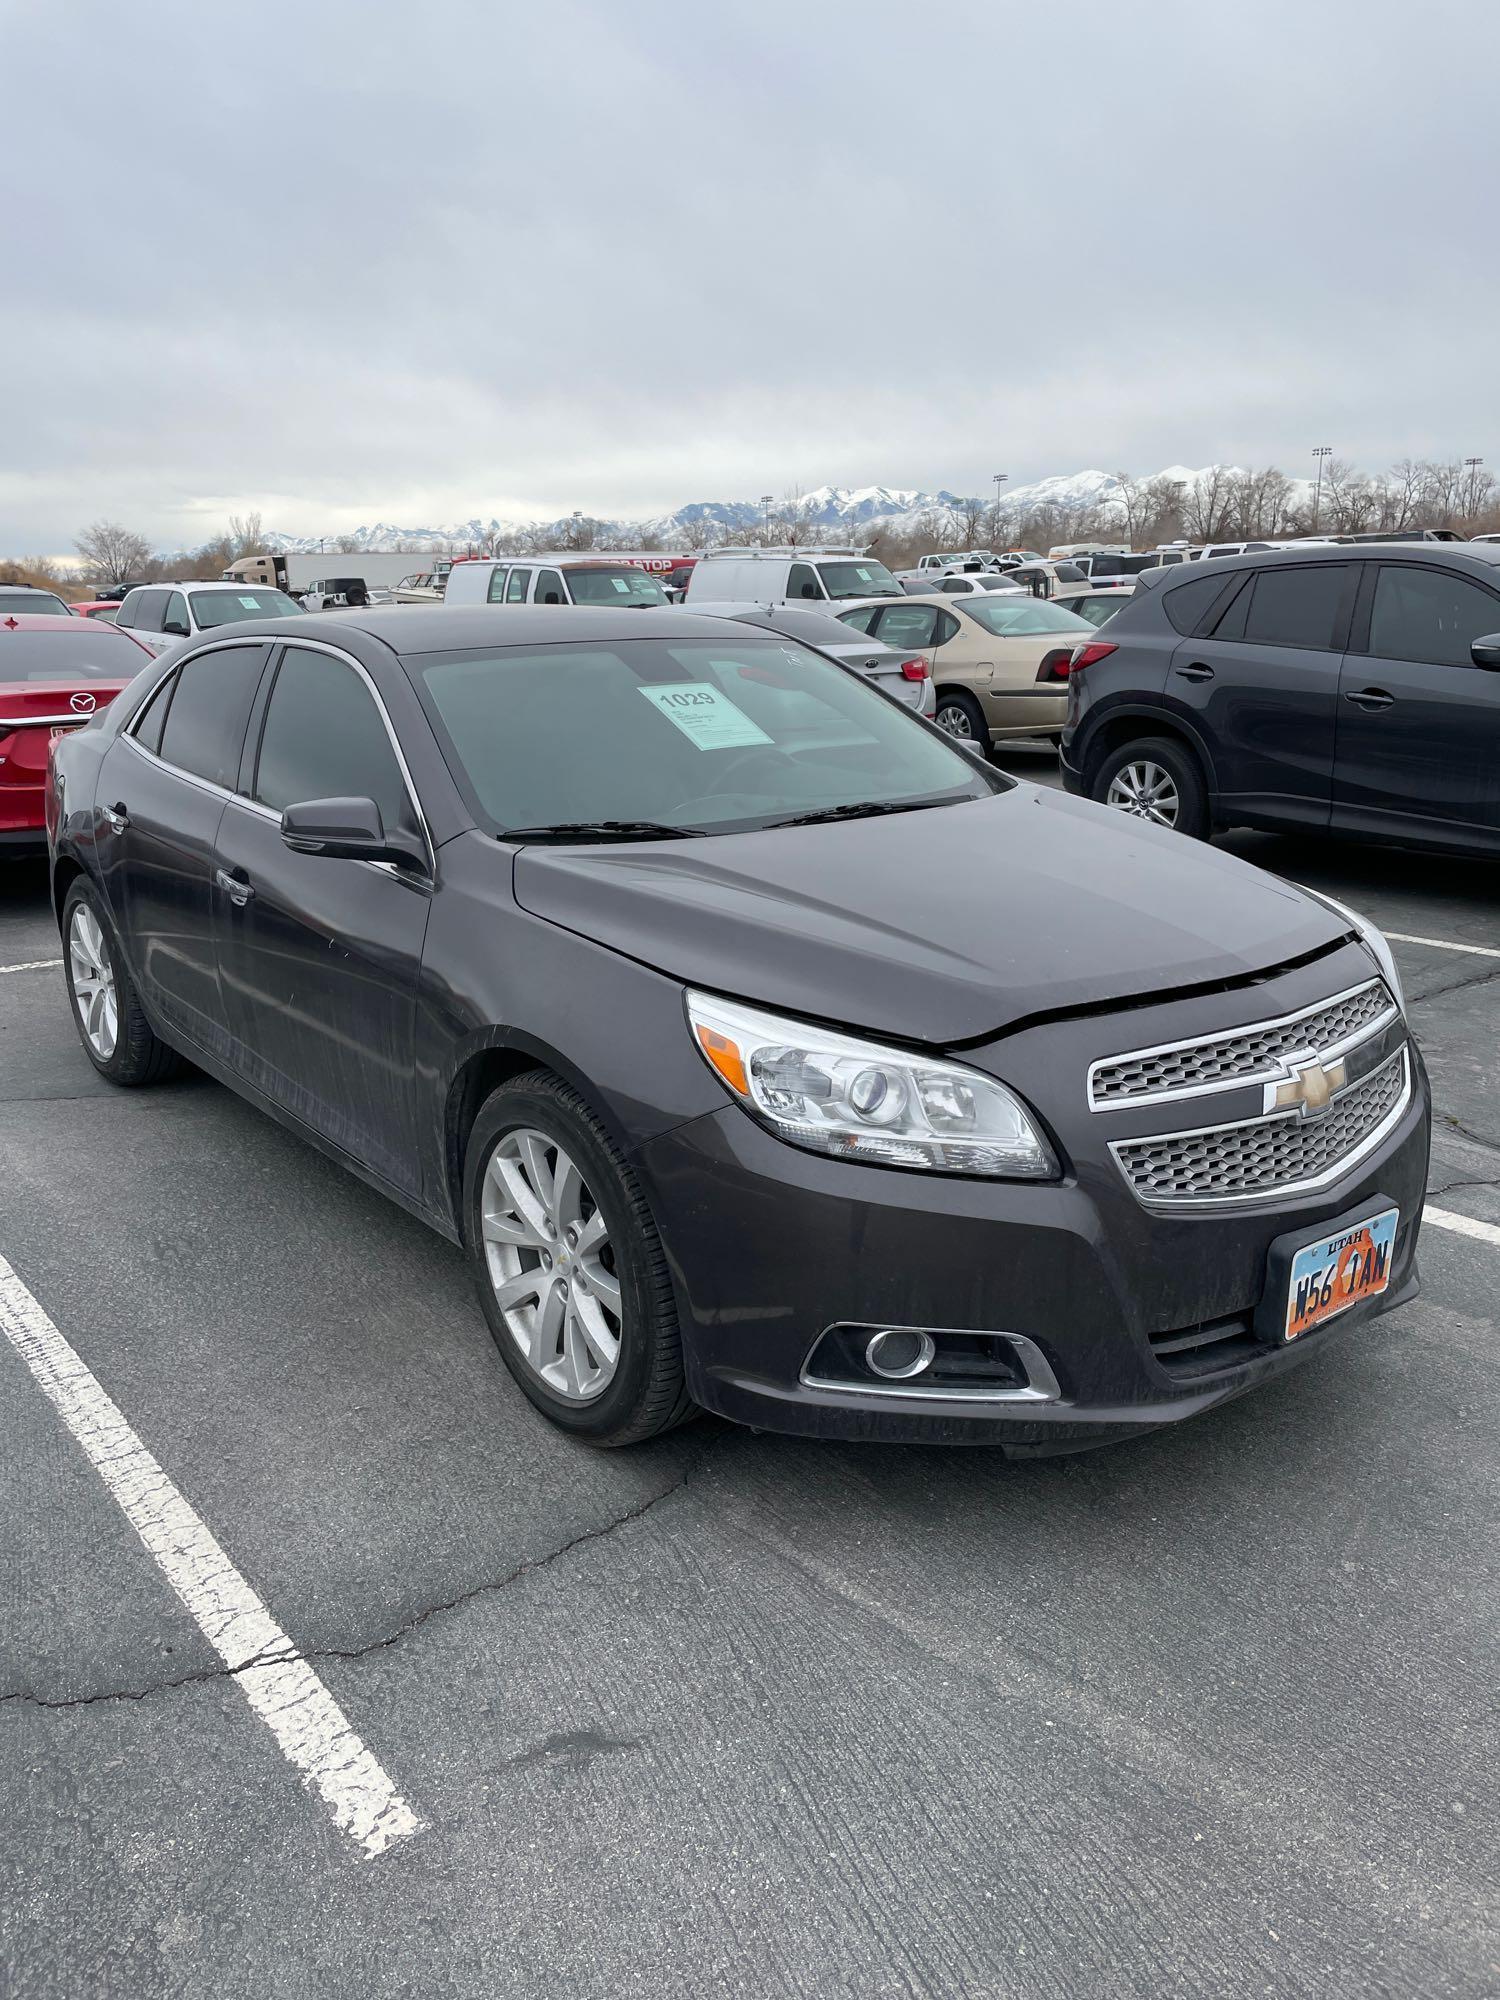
<point x="82" y="704"/>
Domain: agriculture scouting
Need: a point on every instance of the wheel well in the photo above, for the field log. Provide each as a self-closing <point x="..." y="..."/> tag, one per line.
<point x="1129" y="728"/>
<point x="63" y="877"/>
<point x="480" y="1076"/>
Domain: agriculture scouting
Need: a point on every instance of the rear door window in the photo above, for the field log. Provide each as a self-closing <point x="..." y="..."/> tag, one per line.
<point x="1429" y="615"/>
<point x="149" y="724"/>
<point x="1295" y="607"/>
<point x="515" y="589"/>
<point x="497" y="587"/>
<point x="1186" y="604"/>
<point x="205" y="725"/>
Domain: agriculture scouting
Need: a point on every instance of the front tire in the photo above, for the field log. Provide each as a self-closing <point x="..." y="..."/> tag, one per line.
<point x="117" y="1038"/>
<point x="1157" y="780"/>
<point x="571" y="1273"/>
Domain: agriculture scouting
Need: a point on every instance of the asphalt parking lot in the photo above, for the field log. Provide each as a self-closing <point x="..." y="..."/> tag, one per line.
<point x="1209" y="1714"/>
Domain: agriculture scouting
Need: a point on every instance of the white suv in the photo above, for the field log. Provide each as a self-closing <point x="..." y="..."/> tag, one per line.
<point x="159" y="614"/>
<point x="808" y="577"/>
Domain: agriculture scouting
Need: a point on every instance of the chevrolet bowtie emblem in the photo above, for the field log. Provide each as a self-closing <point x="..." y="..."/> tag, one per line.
<point x="1311" y="1088"/>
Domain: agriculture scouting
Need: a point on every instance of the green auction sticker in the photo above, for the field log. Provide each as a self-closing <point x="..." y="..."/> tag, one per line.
<point x="705" y="716"/>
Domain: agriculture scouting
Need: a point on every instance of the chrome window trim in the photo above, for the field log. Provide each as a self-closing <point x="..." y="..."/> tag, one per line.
<point x="128" y="733"/>
<point x="1278" y="1073"/>
<point x="337" y="653"/>
<point x="1175" y="1204"/>
<point x="37" y="721"/>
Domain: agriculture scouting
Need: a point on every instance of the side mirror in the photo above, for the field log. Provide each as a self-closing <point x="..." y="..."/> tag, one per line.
<point x="1485" y="652"/>
<point x="971" y="747"/>
<point x="174" y="628"/>
<point x="346" y="830"/>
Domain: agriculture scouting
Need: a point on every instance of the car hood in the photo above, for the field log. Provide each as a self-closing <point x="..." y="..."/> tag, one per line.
<point x="939" y="927"/>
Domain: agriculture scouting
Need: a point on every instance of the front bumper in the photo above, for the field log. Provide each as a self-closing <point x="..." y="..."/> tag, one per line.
<point x="770" y="1246"/>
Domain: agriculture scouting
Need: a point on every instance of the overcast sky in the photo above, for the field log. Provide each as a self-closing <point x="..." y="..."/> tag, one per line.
<point x="344" y="262"/>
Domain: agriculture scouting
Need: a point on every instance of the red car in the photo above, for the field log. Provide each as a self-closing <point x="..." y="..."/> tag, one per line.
<point x="54" y="674"/>
<point x="107" y="608"/>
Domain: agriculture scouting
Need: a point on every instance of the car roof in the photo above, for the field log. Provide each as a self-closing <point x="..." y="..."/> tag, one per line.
<point x="1346" y="552"/>
<point x="415" y="628"/>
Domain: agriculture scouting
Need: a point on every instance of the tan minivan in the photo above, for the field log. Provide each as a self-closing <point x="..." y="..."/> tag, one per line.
<point x="985" y="652"/>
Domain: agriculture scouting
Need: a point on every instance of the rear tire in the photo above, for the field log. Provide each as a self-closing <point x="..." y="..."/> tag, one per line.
<point x="1158" y="780"/>
<point x="960" y="715"/>
<point x="117" y="1038"/>
<point x="570" y="1270"/>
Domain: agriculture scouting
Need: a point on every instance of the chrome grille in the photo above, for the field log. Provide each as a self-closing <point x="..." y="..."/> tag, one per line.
<point x="1266" y="1156"/>
<point x="1220" y="1062"/>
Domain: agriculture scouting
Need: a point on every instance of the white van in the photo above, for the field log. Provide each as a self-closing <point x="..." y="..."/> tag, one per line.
<point x="574" y="577"/>
<point x="787" y="576"/>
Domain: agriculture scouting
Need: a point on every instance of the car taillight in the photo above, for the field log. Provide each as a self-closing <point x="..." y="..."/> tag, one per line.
<point x="1090" y="655"/>
<point x="915" y="670"/>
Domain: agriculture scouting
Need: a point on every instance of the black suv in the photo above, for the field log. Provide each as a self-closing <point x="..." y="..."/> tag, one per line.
<point x="1343" y="690"/>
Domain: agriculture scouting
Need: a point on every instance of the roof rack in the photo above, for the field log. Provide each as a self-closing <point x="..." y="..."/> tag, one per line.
<point x="784" y="549"/>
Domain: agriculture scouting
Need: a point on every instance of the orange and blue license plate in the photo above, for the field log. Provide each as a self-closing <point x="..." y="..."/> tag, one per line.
<point x="1340" y="1271"/>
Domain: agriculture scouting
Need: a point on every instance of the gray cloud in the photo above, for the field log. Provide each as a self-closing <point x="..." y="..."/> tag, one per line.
<point x="348" y="261"/>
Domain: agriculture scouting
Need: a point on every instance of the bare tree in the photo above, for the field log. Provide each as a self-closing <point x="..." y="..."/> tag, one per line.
<point x="792" y="522"/>
<point x="112" y="554"/>
<point x="966" y="519"/>
<point x="247" y="535"/>
<point x="1137" y="507"/>
<point x="1206" y="503"/>
<point x="347" y="545"/>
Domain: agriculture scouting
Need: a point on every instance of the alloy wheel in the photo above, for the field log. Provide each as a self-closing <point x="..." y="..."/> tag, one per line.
<point x="93" y="981"/>
<point x="550" y="1260"/>
<point x="955" y="720"/>
<point x="1145" y="791"/>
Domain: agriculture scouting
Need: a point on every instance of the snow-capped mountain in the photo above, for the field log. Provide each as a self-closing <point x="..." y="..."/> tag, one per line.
<point x="838" y="511"/>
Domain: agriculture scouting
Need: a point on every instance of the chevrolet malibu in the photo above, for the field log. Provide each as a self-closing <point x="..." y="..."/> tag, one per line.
<point x="765" y="1052"/>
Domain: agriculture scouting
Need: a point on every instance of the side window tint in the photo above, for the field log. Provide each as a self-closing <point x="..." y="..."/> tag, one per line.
<point x="1187" y="603"/>
<point x="126" y="614"/>
<point x="549" y="588"/>
<point x="205" y="726"/>
<point x="1429" y="615"/>
<point x="801" y="582"/>
<point x="496" y="594"/>
<point x="515" y="589"/>
<point x="324" y="739"/>
<point x="153" y="715"/>
<point x="906" y="625"/>
<point x="175" y="618"/>
<point x="860" y="620"/>
<point x="149" y="610"/>
<point x="1295" y="607"/>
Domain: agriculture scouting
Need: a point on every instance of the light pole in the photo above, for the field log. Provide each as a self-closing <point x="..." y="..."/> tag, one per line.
<point x="765" y="507"/>
<point x="1320" y="452"/>
<point x="1471" y="504"/>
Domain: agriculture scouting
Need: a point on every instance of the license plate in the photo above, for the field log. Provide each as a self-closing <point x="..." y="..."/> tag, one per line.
<point x="1340" y="1271"/>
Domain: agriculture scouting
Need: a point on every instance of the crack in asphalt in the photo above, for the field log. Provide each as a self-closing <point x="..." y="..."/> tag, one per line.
<point x="1434" y="1193"/>
<point x="26" y="1698"/>
<point x="1474" y="1138"/>
<point x="1455" y="986"/>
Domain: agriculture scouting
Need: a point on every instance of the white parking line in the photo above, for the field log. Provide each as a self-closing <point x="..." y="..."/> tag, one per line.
<point x="1438" y="944"/>
<point x="1463" y="1225"/>
<point x="34" y="965"/>
<point x="311" y="1728"/>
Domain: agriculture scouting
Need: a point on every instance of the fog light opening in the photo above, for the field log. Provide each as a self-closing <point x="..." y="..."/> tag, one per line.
<point x="899" y="1353"/>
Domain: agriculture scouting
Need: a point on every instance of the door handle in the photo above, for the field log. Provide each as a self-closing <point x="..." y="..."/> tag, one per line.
<point x="1194" y="673"/>
<point x="117" y="816"/>
<point x="235" y="887"/>
<point x="1371" y="699"/>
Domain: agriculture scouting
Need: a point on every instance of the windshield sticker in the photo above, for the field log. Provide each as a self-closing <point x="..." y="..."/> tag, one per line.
<point x="621" y="583"/>
<point x="705" y="716"/>
<point x="251" y="603"/>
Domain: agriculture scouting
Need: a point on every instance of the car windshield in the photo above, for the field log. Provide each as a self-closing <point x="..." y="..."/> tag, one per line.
<point x="858" y="579"/>
<point x="595" y="584"/>
<point x="37" y="602"/>
<point x="1021" y="616"/>
<point x="228" y="607"/>
<point x="712" y="735"/>
<point x="91" y="652"/>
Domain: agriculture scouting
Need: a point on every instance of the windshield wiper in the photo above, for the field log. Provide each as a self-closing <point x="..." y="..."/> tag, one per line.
<point x="866" y="809"/>
<point x="601" y="829"/>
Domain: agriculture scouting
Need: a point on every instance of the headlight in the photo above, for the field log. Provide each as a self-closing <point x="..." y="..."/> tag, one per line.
<point x="1372" y="938"/>
<point x="859" y="1101"/>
